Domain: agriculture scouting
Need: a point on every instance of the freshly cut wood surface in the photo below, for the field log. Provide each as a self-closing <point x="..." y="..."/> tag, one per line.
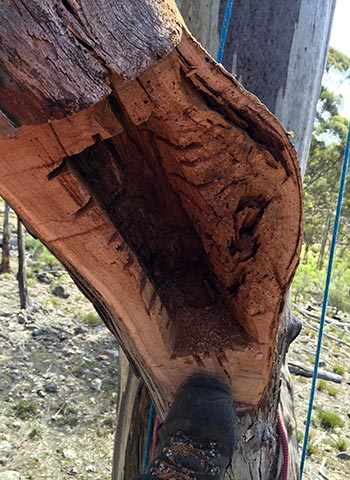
<point x="173" y="199"/>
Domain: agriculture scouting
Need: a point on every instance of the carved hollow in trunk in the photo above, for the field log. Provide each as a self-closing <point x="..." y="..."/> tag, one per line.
<point x="174" y="201"/>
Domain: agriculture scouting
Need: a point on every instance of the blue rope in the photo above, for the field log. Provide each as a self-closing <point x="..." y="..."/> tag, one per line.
<point x="325" y="297"/>
<point x="224" y="30"/>
<point x="148" y="438"/>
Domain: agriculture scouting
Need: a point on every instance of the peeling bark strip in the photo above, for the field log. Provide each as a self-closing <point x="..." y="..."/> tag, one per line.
<point x="174" y="199"/>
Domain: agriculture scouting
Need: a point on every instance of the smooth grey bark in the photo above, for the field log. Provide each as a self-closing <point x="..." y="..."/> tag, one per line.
<point x="277" y="50"/>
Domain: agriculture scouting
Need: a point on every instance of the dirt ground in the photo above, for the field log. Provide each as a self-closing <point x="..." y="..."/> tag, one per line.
<point x="58" y="383"/>
<point x="329" y="441"/>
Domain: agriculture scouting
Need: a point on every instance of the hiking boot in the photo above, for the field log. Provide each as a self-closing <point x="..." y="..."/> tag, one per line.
<point x="197" y="438"/>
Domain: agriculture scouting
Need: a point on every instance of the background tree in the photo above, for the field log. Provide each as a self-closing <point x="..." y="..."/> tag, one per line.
<point x="21" y="275"/>
<point x="321" y="184"/>
<point x="6" y="246"/>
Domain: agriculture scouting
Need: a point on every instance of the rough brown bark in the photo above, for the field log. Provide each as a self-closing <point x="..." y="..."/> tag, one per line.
<point x="173" y="199"/>
<point x="5" y="255"/>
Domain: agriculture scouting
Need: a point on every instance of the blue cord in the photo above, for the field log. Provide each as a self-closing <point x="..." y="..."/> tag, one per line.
<point x="148" y="438"/>
<point x="325" y="297"/>
<point x="224" y="30"/>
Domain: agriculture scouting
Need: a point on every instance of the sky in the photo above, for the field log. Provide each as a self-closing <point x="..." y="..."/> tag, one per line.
<point x="340" y="39"/>
<point x="340" y="34"/>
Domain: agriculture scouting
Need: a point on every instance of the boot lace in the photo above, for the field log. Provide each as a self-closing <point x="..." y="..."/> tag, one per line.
<point x="201" y="458"/>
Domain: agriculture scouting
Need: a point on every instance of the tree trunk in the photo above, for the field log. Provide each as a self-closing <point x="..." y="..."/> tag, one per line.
<point x="21" y="275"/>
<point x="308" y="242"/>
<point x="5" y="258"/>
<point x="131" y="418"/>
<point x="178" y="245"/>
<point x="261" y="71"/>
<point x="172" y="199"/>
<point x="324" y="241"/>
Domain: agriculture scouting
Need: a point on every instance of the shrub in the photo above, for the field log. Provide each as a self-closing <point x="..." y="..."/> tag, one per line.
<point x="324" y="386"/>
<point x="300" y="436"/>
<point x="47" y="258"/>
<point x="332" y="390"/>
<point x="78" y="372"/>
<point x="33" y="247"/>
<point x="91" y="319"/>
<point x="329" y="420"/>
<point x="339" y="369"/>
<point x="339" y="299"/>
<point x="321" y="385"/>
<point x="312" y="448"/>
<point x="25" y="409"/>
<point x="68" y="417"/>
<point x="309" y="281"/>
<point x="342" y="444"/>
<point x="35" y="432"/>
